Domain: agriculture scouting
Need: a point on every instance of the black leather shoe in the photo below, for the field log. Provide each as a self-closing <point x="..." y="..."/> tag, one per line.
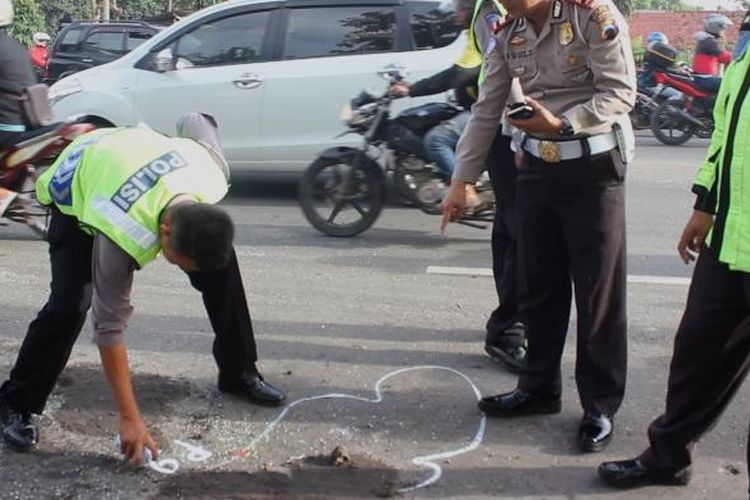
<point x="595" y="432"/>
<point x="518" y="403"/>
<point x="634" y="473"/>
<point x="253" y="388"/>
<point x="19" y="430"/>
<point x="508" y="348"/>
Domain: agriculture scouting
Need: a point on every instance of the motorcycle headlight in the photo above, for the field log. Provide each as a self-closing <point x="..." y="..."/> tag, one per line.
<point x="65" y="87"/>
<point x="347" y="114"/>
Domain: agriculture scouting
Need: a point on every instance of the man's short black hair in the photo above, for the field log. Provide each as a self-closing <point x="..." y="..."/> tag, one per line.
<point x="202" y="232"/>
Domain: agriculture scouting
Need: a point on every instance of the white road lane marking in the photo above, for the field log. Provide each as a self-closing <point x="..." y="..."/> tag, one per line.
<point x="487" y="272"/>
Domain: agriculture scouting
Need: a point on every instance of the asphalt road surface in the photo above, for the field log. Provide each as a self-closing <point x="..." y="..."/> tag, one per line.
<point x="396" y="350"/>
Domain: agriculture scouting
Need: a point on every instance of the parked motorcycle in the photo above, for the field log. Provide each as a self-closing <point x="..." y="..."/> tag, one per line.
<point x="676" y="120"/>
<point x="21" y="164"/>
<point x="343" y="192"/>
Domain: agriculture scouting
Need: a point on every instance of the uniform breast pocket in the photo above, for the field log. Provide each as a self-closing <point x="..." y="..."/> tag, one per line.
<point x="573" y="64"/>
<point x="525" y="69"/>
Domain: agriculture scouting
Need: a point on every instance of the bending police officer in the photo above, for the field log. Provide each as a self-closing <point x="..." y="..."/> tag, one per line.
<point x="115" y="207"/>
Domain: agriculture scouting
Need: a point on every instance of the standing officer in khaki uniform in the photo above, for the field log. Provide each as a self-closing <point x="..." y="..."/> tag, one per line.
<point x="577" y="65"/>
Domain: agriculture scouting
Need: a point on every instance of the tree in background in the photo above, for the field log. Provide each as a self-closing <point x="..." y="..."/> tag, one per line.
<point x="28" y="19"/>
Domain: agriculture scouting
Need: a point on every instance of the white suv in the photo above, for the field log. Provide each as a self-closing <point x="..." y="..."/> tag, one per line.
<point x="274" y="73"/>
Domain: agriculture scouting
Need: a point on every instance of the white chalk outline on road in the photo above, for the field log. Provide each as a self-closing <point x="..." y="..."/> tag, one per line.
<point x="632" y="278"/>
<point x="424" y="460"/>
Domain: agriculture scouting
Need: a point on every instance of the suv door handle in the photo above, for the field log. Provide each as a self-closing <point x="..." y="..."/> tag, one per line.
<point x="87" y="60"/>
<point x="248" y="81"/>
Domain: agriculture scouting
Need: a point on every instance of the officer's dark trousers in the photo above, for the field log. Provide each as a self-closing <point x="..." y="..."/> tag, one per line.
<point x="710" y="361"/>
<point x="502" y="171"/>
<point x="51" y="336"/>
<point x="571" y="225"/>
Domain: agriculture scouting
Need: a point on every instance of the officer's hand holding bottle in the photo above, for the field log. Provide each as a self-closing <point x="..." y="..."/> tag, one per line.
<point x="134" y="437"/>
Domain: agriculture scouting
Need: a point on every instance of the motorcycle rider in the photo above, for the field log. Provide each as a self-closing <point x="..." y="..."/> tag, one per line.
<point x="646" y="77"/>
<point x="440" y="142"/>
<point x="710" y="52"/>
<point x="39" y="53"/>
<point x="16" y="73"/>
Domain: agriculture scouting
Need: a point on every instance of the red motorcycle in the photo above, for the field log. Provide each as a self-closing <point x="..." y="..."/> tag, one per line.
<point x="21" y="164"/>
<point x="676" y="120"/>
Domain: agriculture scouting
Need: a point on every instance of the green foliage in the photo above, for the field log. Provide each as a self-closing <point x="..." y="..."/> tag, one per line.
<point x="639" y="49"/>
<point x="28" y="19"/>
<point x="55" y="10"/>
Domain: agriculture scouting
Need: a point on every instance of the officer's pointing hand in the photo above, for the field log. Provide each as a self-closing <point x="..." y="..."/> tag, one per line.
<point x="543" y="121"/>
<point x="454" y="203"/>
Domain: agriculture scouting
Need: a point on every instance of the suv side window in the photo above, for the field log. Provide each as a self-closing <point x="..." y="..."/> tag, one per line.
<point x="432" y="28"/>
<point x="69" y="41"/>
<point x="106" y="42"/>
<point x="332" y="31"/>
<point x="136" y="37"/>
<point x="229" y="40"/>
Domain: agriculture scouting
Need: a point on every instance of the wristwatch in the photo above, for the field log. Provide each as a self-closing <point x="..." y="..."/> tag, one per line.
<point x="567" y="128"/>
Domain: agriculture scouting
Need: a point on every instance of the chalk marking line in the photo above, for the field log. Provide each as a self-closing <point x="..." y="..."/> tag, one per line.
<point x="198" y="454"/>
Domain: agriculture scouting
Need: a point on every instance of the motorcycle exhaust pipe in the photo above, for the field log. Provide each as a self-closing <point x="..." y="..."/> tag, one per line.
<point x="678" y="115"/>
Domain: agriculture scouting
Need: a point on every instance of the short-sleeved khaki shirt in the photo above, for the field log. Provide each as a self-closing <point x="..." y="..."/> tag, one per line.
<point x="574" y="67"/>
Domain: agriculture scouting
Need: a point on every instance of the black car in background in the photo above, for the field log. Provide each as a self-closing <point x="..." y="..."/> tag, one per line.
<point x="83" y="44"/>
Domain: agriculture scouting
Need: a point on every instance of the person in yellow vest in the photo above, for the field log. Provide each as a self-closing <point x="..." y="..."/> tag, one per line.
<point x="711" y="355"/>
<point x="118" y="197"/>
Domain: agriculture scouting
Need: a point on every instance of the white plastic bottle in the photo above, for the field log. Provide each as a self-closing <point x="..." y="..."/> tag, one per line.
<point x="145" y="456"/>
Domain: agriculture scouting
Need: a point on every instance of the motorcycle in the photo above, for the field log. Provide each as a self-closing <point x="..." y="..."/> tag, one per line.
<point x="22" y="162"/>
<point x="343" y="191"/>
<point x="677" y="119"/>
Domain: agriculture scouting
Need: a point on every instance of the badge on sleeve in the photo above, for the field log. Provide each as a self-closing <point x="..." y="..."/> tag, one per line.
<point x="606" y="22"/>
<point x="566" y="33"/>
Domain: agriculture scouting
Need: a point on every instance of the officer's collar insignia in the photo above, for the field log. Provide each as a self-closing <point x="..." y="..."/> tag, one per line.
<point x="520" y="25"/>
<point x="517" y="40"/>
<point x="557" y="9"/>
<point x="566" y="33"/>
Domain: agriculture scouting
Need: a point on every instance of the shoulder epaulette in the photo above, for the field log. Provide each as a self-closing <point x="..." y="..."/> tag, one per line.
<point x="504" y="23"/>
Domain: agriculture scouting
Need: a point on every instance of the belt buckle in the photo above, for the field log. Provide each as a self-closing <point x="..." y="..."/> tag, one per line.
<point x="550" y="151"/>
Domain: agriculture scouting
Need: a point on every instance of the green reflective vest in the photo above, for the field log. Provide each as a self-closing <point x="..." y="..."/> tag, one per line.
<point x="723" y="181"/>
<point x="118" y="182"/>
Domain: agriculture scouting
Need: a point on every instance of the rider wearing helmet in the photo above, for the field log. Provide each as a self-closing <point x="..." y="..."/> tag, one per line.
<point x="39" y="52"/>
<point x="656" y="37"/>
<point x="710" y="51"/>
<point x="16" y="74"/>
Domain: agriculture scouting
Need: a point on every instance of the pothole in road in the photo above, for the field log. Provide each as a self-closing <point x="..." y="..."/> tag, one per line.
<point x="338" y="475"/>
<point x="87" y="407"/>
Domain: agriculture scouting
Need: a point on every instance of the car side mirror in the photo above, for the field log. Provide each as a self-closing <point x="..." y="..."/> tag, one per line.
<point x="164" y="61"/>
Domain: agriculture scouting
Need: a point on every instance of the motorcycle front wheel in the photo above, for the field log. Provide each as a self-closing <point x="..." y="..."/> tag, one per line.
<point x="667" y="129"/>
<point x="339" y="199"/>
